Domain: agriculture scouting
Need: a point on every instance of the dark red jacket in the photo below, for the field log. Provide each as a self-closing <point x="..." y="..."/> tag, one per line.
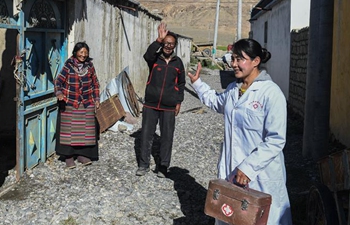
<point x="166" y="81"/>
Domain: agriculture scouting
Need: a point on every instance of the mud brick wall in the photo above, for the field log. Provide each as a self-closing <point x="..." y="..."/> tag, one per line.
<point x="298" y="70"/>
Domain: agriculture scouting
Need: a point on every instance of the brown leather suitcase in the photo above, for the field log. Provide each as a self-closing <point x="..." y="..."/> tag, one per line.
<point x="236" y="205"/>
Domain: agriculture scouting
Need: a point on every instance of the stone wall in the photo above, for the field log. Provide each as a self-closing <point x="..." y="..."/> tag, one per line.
<point x="298" y="70"/>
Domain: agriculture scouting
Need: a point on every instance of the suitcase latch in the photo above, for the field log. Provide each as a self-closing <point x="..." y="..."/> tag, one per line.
<point x="244" y="205"/>
<point x="216" y="194"/>
<point x="262" y="213"/>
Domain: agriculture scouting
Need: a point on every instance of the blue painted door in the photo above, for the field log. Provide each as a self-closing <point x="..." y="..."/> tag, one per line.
<point x="42" y="51"/>
<point x="44" y="46"/>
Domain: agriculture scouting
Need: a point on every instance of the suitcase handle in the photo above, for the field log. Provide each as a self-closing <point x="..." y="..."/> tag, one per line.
<point x="246" y="187"/>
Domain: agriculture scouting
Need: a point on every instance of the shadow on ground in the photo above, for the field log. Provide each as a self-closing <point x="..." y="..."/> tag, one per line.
<point x="190" y="193"/>
<point x="192" y="198"/>
<point x="7" y="156"/>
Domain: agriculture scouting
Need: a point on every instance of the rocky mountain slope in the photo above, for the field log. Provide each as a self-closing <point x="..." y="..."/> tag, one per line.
<point x="196" y="18"/>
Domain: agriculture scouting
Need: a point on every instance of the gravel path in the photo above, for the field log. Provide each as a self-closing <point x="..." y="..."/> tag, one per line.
<point x="108" y="192"/>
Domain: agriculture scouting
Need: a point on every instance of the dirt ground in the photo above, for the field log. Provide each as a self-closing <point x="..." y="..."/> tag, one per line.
<point x="302" y="172"/>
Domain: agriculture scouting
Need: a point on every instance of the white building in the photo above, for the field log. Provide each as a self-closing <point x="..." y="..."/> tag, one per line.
<point x="271" y="24"/>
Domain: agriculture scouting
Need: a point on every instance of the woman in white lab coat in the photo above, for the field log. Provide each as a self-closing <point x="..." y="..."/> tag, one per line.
<point x="255" y="113"/>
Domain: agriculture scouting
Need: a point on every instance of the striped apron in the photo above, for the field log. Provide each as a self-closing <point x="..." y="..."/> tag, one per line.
<point x="78" y="126"/>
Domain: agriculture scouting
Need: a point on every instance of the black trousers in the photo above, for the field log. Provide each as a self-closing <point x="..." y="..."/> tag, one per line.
<point x="150" y="119"/>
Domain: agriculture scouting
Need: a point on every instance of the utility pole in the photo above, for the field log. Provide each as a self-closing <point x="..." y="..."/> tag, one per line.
<point x="239" y="19"/>
<point x="216" y="29"/>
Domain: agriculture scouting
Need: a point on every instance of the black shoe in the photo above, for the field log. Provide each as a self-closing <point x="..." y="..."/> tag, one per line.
<point x="141" y="171"/>
<point x="162" y="172"/>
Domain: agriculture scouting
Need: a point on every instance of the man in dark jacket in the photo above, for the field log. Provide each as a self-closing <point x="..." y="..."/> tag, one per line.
<point x="163" y="96"/>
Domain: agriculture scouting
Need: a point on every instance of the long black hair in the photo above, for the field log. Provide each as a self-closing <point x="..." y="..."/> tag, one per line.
<point x="252" y="48"/>
<point x="79" y="46"/>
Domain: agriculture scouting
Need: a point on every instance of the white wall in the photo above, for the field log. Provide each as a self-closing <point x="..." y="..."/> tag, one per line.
<point x="184" y="44"/>
<point x="278" y="42"/>
<point x="133" y="41"/>
<point x="117" y="39"/>
<point x="300" y="16"/>
<point x="96" y="23"/>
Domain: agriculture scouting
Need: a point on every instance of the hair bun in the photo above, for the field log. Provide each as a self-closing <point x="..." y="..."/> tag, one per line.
<point x="265" y="55"/>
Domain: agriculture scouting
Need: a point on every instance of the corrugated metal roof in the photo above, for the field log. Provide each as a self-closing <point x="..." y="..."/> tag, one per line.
<point x="263" y="5"/>
<point x="260" y="4"/>
<point x="134" y="5"/>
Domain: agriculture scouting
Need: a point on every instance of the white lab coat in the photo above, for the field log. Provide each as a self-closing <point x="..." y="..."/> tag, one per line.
<point x="255" y="134"/>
